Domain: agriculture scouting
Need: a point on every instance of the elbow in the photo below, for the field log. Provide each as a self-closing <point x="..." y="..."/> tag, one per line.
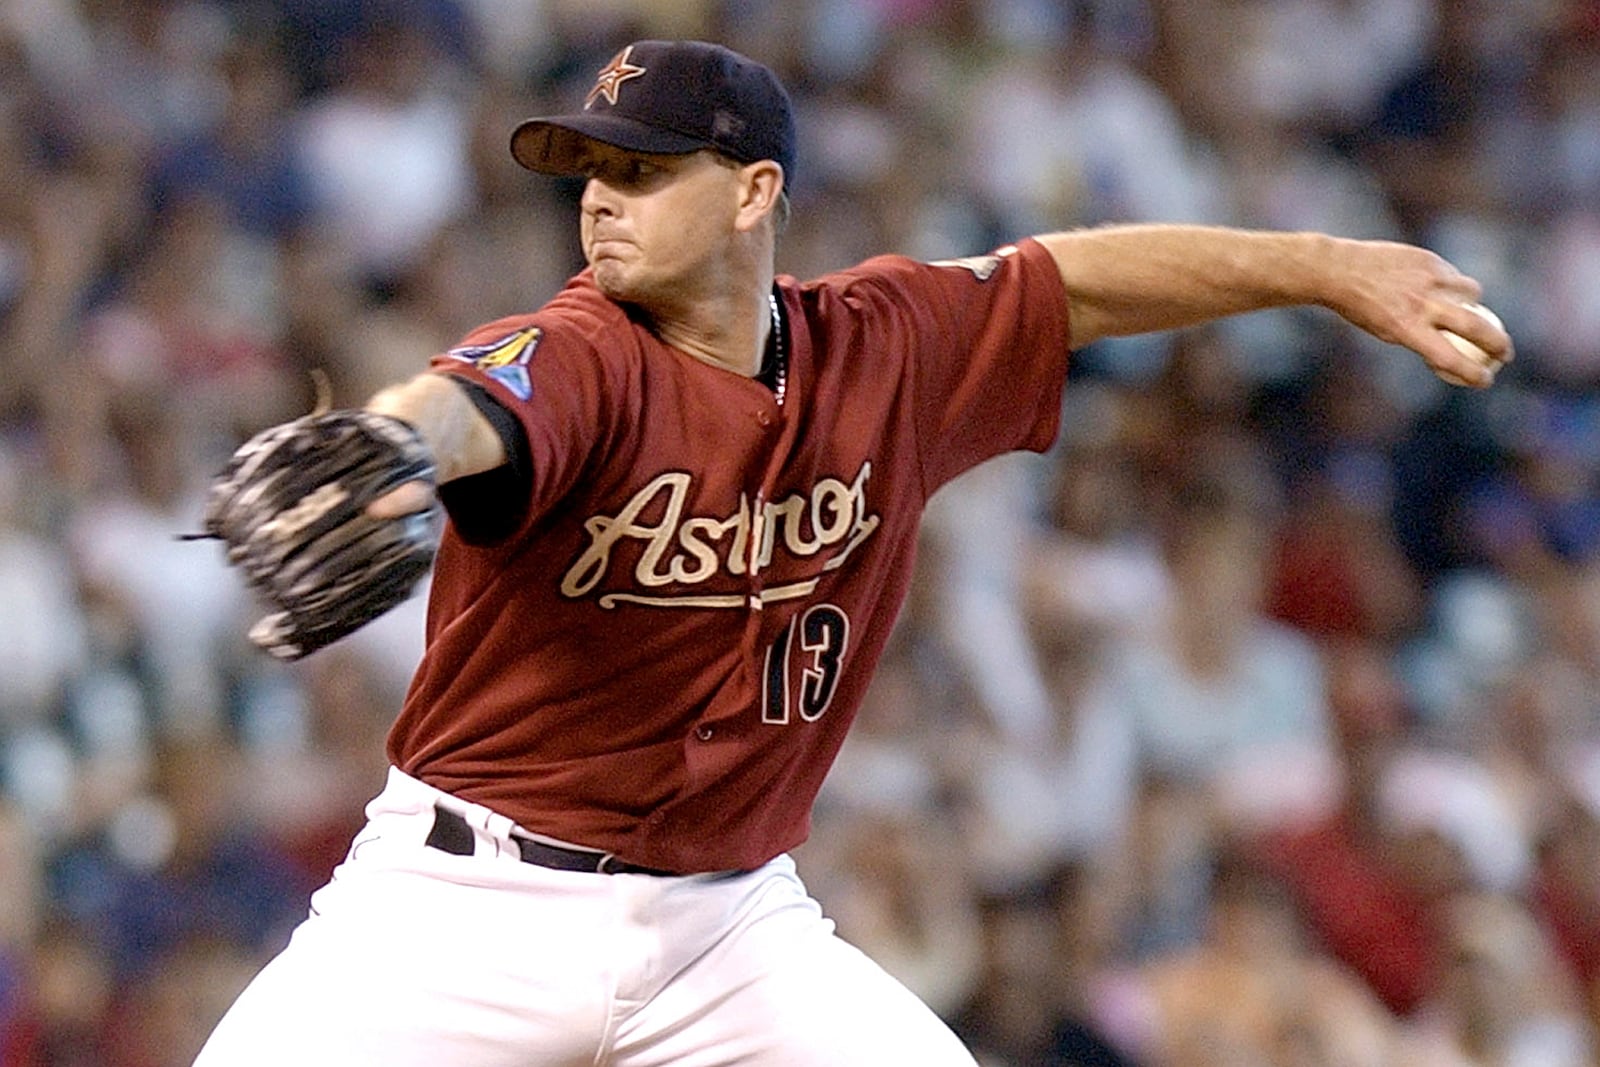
<point x="1085" y="324"/>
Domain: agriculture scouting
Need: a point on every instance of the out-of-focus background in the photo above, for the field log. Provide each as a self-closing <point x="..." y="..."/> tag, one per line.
<point x="1255" y="724"/>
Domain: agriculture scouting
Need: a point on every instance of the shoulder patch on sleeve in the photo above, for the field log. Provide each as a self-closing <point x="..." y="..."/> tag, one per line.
<point x="504" y="360"/>
<point x="982" y="267"/>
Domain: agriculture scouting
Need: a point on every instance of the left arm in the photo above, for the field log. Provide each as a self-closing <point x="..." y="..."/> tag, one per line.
<point x="1131" y="279"/>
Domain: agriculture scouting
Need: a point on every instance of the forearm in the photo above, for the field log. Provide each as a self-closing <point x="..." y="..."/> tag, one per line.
<point x="1124" y="280"/>
<point x="461" y="439"/>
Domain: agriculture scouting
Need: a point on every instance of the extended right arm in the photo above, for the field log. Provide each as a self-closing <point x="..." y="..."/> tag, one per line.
<point x="1130" y="279"/>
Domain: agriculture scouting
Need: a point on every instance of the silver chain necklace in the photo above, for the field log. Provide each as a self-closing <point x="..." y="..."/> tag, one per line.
<point x="780" y="352"/>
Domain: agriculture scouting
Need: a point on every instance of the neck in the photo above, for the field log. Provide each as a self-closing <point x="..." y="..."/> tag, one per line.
<point x="727" y="320"/>
<point x="730" y="332"/>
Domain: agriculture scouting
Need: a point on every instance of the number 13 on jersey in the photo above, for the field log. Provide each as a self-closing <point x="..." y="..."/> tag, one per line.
<point x="822" y="633"/>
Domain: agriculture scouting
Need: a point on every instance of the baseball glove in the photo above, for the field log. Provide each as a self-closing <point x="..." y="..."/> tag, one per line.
<point x="291" y="506"/>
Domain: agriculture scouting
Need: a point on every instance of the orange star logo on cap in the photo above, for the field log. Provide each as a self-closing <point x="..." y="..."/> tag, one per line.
<point x="611" y="77"/>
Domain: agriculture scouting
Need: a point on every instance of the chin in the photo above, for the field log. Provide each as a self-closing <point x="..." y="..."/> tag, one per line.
<point x="609" y="278"/>
<point x="625" y="288"/>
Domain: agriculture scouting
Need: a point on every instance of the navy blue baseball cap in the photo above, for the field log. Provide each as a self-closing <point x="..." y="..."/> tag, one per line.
<point x="668" y="98"/>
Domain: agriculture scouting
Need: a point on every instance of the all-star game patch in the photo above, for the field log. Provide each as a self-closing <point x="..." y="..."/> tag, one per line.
<point x="505" y="360"/>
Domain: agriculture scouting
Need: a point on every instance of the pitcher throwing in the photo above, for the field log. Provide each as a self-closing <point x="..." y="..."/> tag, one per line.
<point x="680" y="503"/>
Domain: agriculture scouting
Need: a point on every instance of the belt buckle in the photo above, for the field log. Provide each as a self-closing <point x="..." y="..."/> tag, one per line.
<point x="605" y="864"/>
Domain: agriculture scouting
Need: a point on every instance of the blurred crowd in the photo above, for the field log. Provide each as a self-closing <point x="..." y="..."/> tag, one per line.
<point x="1257" y="723"/>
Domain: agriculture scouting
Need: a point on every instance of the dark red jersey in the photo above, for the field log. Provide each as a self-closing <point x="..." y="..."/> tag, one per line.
<point x="662" y="656"/>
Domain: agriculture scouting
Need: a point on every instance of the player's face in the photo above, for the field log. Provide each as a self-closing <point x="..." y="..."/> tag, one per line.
<point x="654" y="226"/>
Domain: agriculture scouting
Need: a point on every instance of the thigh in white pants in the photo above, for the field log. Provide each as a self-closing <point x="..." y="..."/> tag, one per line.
<point x="413" y="957"/>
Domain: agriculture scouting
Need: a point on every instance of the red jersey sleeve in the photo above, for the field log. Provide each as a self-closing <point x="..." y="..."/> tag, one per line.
<point x="548" y="371"/>
<point x="985" y="344"/>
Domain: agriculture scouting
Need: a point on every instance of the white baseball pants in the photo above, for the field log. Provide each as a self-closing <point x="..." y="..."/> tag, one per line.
<point x="413" y="957"/>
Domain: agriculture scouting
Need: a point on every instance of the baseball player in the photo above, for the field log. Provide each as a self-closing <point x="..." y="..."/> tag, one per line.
<point x="679" y="504"/>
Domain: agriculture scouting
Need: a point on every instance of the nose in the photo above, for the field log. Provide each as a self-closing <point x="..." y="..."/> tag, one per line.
<point x="597" y="199"/>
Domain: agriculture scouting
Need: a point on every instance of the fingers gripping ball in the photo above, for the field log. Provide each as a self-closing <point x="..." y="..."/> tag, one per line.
<point x="1469" y="349"/>
<point x="291" y="507"/>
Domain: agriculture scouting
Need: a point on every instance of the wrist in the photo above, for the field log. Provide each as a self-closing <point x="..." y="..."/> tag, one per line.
<point x="1319" y="275"/>
<point x="460" y="438"/>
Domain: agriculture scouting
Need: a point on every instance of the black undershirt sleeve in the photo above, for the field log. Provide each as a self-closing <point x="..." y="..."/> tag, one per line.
<point x="488" y="506"/>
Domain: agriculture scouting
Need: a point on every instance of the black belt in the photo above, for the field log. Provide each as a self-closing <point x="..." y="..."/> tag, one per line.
<point x="451" y="834"/>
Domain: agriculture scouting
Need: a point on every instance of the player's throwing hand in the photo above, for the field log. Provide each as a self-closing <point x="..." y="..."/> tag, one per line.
<point x="1413" y="297"/>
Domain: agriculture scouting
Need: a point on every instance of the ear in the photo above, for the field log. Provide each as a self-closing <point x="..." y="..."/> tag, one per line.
<point x="760" y="185"/>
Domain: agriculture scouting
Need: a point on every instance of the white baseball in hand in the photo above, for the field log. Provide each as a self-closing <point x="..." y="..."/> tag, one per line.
<point x="1469" y="349"/>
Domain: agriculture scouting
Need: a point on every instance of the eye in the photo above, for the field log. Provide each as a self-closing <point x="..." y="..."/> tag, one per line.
<point x="642" y="170"/>
<point x="624" y="171"/>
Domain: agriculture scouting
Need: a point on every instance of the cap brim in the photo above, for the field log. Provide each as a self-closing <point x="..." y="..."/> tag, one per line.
<point x="555" y="145"/>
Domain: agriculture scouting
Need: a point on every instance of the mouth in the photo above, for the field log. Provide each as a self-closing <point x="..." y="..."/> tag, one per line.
<point x="606" y="245"/>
